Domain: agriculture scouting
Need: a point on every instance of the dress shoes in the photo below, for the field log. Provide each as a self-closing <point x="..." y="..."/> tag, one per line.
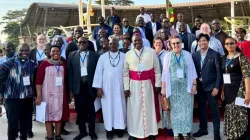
<point x="200" y="133"/>
<point x="217" y="137"/>
<point x="80" y="136"/>
<point x="132" y="138"/>
<point x="64" y="132"/>
<point x="30" y="134"/>
<point x="152" y="137"/>
<point x="109" y="135"/>
<point x="93" y="136"/>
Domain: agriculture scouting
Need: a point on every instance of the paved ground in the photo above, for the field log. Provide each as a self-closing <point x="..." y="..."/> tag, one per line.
<point x="39" y="131"/>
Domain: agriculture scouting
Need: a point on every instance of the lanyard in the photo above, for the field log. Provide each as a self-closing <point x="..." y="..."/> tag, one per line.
<point x="24" y="65"/>
<point x="83" y="59"/>
<point x="40" y="54"/>
<point x="229" y="60"/>
<point x="202" y="61"/>
<point x="182" y="36"/>
<point x="125" y="30"/>
<point x="57" y="67"/>
<point x="139" y="56"/>
<point x="178" y="60"/>
<point x="159" y="55"/>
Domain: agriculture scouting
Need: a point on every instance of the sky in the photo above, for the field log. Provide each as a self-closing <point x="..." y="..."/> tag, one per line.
<point x="19" y="4"/>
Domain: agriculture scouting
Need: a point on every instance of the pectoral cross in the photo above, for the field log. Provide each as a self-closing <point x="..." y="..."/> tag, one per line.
<point x="139" y="74"/>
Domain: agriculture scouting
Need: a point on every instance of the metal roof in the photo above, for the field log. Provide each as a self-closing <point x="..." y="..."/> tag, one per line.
<point x="67" y="14"/>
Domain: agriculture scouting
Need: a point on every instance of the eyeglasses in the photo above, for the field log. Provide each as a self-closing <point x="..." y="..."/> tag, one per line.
<point x="177" y="43"/>
<point x="231" y="44"/>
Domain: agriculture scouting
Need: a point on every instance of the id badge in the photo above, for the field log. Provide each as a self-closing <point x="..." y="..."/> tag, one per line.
<point x="84" y="71"/>
<point x="26" y="80"/>
<point x="180" y="73"/>
<point x="226" y="78"/>
<point x="141" y="67"/>
<point x="59" y="81"/>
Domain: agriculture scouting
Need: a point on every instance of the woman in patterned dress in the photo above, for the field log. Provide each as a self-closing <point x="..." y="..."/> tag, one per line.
<point x="50" y="86"/>
<point x="235" y="65"/>
<point x="179" y="86"/>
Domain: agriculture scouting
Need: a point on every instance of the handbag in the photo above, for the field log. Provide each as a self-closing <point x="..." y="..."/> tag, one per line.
<point x="165" y="103"/>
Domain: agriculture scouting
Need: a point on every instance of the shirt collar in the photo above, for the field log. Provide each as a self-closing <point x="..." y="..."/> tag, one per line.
<point x="204" y="54"/>
<point x="84" y="52"/>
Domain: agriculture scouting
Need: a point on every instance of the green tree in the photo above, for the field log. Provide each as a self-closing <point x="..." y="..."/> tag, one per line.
<point x="116" y="2"/>
<point x="123" y="2"/>
<point x="12" y="22"/>
<point x="106" y="2"/>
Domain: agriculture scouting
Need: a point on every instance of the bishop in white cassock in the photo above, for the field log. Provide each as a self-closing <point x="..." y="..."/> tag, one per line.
<point x="108" y="80"/>
<point x="142" y="82"/>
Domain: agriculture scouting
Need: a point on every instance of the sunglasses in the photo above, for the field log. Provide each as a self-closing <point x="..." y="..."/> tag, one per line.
<point x="176" y="43"/>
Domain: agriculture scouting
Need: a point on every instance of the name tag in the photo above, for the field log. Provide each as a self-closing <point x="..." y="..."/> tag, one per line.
<point x="141" y="67"/>
<point x="84" y="71"/>
<point x="180" y="73"/>
<point x="26" y="81"/>
<point x="59" y="81"/>
<point x="182" y="45"/>
<point x="226" y="78"/>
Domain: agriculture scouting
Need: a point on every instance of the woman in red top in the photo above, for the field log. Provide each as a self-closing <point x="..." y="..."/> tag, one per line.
<point x="51" y="88"/>
<point x="243" y="44"/>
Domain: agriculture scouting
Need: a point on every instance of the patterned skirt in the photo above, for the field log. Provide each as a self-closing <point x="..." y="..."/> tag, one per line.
<point x="236" y="120"/>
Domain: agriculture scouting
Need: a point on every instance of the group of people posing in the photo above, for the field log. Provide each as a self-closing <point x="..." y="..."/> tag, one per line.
<point x="135" y="71"/>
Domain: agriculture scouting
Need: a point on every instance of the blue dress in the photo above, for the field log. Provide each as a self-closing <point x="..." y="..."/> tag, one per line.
<point x="181" y="102"/>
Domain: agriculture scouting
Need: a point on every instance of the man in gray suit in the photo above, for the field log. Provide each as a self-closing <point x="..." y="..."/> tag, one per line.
<point x="186" y="37"/>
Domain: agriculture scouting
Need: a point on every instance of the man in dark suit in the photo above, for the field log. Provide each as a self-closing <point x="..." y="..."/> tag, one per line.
<point x="187" y="38"/>
<point x="72" y="46"/>
<point x="208" y="67"/>
<point x="127" y="28"/>
<point x="148" y="33"/>
<point x="81" y="69"/>
<point x="153" y="24"/>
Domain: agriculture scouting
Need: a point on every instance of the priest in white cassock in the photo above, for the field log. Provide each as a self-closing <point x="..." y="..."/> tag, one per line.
<point x="108" y="80"/>
<point x="142" y="85"/>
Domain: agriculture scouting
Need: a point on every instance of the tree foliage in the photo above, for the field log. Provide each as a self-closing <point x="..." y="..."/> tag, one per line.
<point x="116" y="2"/>
<point x="11" y="22"/>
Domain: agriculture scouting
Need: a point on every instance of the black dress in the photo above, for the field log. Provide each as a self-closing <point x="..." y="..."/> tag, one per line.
<point x="235" y="117"/>
<point x="234" y="69"/>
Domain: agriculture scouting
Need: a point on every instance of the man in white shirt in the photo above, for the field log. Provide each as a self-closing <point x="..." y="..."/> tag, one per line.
<point x="145" y="16"/>
<point x="180" y="18"/>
